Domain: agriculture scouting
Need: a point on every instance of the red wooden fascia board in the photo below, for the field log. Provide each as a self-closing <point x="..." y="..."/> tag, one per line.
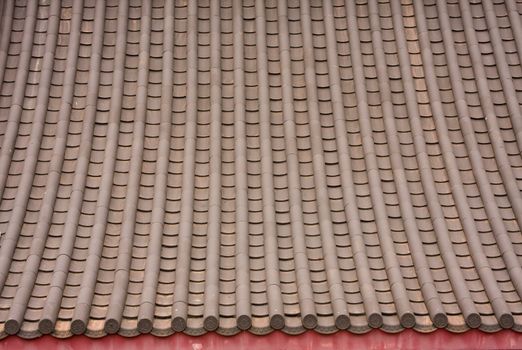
<point x="408" y="339"/>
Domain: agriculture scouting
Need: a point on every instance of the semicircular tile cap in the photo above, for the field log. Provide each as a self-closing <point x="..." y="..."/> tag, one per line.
<point x="45" y="326"/>
<point x="78" y="327"/>
<point x="111" y="326"/>
<point x="211" y="323"/>
<point x="473" y="320"/>
<point x="408" y="320"/>
<point x="375" y="320"/>
<point x="277" y="321"/>
<point x="145" y="325"/>
<point x="179" y="324"/>
<point x="310" y="321"/>
<point x="244" y="322"/>
<point x="342" y="322"/>
<point x="12" y="326"/>
<point x="506" y="321"/>
<point x="440" y="320"/>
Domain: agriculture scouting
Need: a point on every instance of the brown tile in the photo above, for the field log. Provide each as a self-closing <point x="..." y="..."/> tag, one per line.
<point x="379" y="169"/>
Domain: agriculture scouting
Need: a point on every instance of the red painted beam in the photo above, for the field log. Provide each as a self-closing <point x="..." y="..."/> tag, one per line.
<point x="408" y="339"/>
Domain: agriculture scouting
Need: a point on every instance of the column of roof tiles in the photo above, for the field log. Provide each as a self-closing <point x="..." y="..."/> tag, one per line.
<point x="258" y="264"/>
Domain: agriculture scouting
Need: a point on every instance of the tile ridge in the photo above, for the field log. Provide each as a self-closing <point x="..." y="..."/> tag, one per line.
<point x="63" y="260"/>
<point x="304" y="290"/>
<point x="13" y="123"/>
<point x="420" y="261"/>
<point x="180" y="307"/>
<point x="242" y="268"/>
<point x="83" y="305"/>
<point x="275" y="302"/>
<point x="477" y="252"/>
<point x="398" y="289"/>
<point x="333" y="275"/>
<point x="5" y="37"/>
<point x="125" y="252"/>
<point x="516" y="27"/>
<point x="515" y="115"/>
<point x="499" y="230"/>
<point x="360" y="257"/>
<point x="510" y="183"/>
<point x="15" y="225"/>
<point x="455" y="275"/>
<point x="25" y="287"/>
<point x="57" y="159"/>
<point x="153" y="261"/>
<point x="211" y="304"/>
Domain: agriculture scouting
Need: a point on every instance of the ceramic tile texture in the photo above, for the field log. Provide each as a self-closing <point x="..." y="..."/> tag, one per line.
<point x="191" y="166"/>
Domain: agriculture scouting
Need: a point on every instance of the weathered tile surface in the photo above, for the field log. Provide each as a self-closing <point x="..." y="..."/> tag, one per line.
<point x="211" y="165"/>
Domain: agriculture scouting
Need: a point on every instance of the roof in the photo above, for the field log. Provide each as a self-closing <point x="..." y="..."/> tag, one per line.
<point x="173" y="166"/>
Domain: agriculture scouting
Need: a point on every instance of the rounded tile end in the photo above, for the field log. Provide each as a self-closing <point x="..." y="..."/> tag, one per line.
<point x="145" y="325"/>
<point x="111" y="326"/>
<point x="375" y="320"/>
<point x="45" y="326"/>
<point x="277" y="321"/>
<point x="440" y="320"/>
<point x="408" y="320"/>
<point x="473" y="320"/>
<point x="211" y="323"/>
<point x="179" y="324"/>
<point x="244" y="322"/>
<point x="310" y="321"/>
<point x="506" y="321"/>
<point x="12" y="326"/>
<point x="78" y="327"/>
<point x="342" y="322"/>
